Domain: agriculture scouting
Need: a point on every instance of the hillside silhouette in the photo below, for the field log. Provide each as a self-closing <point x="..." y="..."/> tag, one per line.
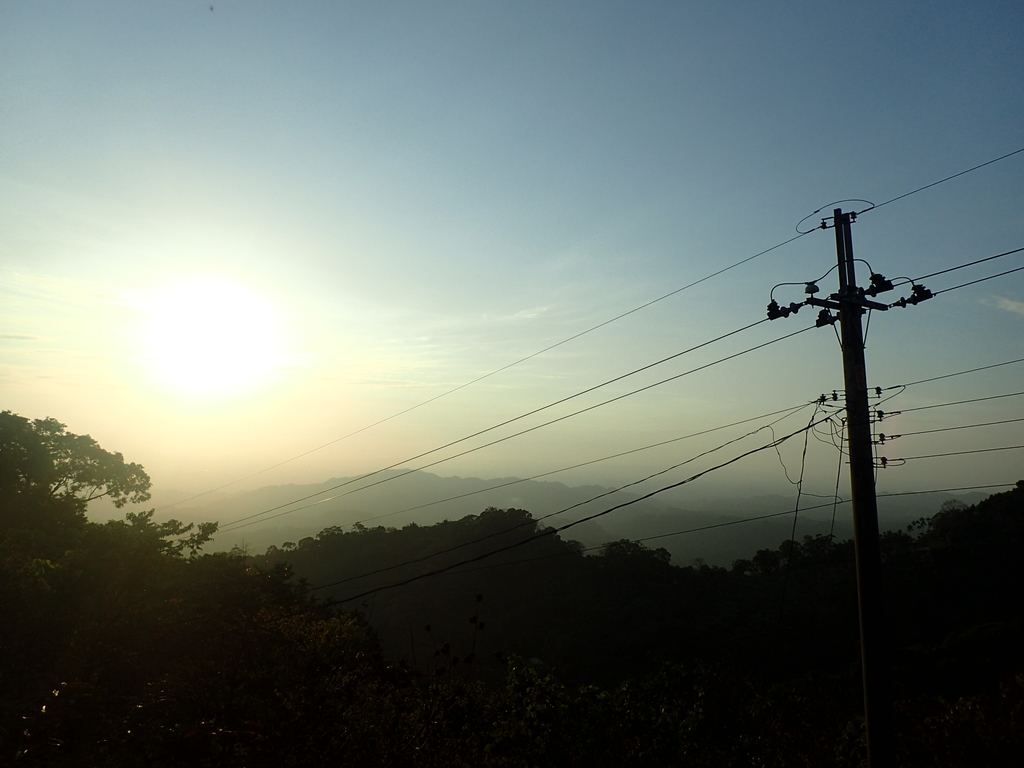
<point x="492" y="642"/>
<point x="418" y="492"/>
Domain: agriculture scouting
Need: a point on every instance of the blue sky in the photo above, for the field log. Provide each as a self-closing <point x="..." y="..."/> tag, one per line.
<point x="410" y="195"/>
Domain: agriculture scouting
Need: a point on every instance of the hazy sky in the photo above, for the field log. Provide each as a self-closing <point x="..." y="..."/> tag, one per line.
<point x="228" y="237"/>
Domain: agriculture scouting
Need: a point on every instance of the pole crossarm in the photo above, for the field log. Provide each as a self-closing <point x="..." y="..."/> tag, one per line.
<point x="856" y="300"/>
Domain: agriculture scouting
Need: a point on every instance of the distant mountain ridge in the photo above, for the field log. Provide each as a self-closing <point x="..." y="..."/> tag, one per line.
<point x="396" y="498"/>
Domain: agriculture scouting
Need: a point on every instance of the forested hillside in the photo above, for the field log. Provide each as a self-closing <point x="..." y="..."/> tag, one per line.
<point x="124" y="645"/>
<point x="399" y="496"/>
<point x="953" y="581"/>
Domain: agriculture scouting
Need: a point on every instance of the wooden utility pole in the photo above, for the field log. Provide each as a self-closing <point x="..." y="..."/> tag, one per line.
<point x="874" y="667"/>
<point x="851" y="301"/>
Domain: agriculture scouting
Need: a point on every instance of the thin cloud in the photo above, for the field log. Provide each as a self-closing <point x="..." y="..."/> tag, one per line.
<point x="1010" y="305"/>
<point x="59" y="290"/>
<point x="529" y="314"/>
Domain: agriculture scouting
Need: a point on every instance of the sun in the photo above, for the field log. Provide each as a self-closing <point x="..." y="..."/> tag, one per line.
<point x="211" y="337"/>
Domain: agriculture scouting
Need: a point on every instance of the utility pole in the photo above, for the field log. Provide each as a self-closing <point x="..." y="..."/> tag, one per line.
<point x="851" y="301"/>
<point x="874" y="667"/>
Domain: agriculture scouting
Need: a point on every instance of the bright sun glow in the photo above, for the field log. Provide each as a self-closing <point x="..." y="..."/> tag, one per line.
<point x="210" y="337"/>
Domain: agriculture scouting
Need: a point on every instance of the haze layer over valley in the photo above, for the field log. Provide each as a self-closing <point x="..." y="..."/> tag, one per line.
<point x="257" y="519"/>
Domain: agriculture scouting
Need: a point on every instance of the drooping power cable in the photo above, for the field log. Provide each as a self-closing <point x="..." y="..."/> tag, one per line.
<point x="244" y="521"/>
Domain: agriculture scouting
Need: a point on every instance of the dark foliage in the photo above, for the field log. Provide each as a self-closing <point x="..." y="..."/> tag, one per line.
<point x="126" y="646"/>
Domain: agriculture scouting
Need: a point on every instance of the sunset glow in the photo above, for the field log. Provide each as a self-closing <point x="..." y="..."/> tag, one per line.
<point x="269" y="244"/>
<point x="211" y="338"/>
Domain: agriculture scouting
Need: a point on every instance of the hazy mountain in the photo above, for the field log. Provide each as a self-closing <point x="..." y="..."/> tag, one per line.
<point x="394" y="499"/>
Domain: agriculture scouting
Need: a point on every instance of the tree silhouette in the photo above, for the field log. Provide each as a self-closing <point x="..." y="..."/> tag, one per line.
<point x="40" y="460"/>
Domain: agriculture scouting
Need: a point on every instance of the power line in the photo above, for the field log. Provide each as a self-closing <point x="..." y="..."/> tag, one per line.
<point x="839" y="472"/>
<point x="686" y="531"/>
<point x="517" y="481"/>
<point x="956" y="402"/>
<point x="969" y="264"/>
<point x="243" y="522"/>
<point x="494" y="372"/>
<point x="958" y="453"/>
<point x="705" y="453"/>
<point x="958" y="373"/>
<point x="979" y="280"/>
<point x="950" y="490"/>
<point x="698" y="529"/>
<point x="506" y="422"/>
<point x="575" y="336"/>
<point x="553" y="531"/>
<point x="235" y="525"/>
<point x="534" y="521"/>
<point x="796" y="513"/>
<point x="941" y="181"/>
<point x="835" y="431"/>
<point x="918" y="292"/>
<point x="729" y="523"/>
<point x="240" y="523"/>
<point x="949" y="429"/>
<point x="822" y="225"/>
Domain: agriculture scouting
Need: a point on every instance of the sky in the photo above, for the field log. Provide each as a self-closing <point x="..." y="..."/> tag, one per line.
<point x="231" y="235"/>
